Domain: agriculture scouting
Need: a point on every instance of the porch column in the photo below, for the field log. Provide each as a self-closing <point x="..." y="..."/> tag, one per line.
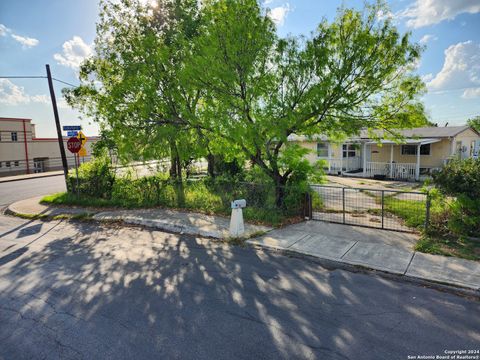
<point x="391" y="161"/>
<point x="417" y="167"/>
<point x="364" y="159"/>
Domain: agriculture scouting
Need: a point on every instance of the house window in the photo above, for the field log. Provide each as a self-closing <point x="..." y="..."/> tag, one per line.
<point x="7" y="163"/>
<point x="322" y="149"/>
<point x="14" y="136"/>
<point x="412" y="149"/>
<point x="0" y="164"/>
<point x="349" y="150"/>
<point x="16" y="163"/>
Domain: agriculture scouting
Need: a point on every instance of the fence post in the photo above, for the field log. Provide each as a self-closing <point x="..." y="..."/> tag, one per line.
<point x="427" y="211"/>
<point x="307" y="209"/>
<point x="343" y="202"/>
<point x="383" y="208"/>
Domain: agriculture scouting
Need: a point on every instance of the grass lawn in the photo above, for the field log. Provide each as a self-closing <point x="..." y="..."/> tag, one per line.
<point x="70" y="199"/>
<point x="194" y="200"/>
<point x="443" y="245"/>
<point x="411" y="211"/>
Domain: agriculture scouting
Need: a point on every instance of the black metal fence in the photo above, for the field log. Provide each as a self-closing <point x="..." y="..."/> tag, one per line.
<point x="405" y="211"/>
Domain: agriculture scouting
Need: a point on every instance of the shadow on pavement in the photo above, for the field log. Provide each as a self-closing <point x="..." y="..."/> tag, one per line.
<point x="132" y="293"/>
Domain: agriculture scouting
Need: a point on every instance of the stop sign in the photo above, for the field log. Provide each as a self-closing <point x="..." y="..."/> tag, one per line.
<point x="74" y="145"/>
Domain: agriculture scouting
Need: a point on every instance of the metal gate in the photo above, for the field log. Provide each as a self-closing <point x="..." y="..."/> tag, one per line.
<point x="405" y="211"/>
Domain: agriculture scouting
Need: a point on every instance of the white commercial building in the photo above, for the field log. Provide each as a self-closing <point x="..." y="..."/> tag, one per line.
<point x="21" y="152"/>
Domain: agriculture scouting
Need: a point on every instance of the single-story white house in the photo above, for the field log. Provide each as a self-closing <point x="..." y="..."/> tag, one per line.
<point x="421" y="151"/>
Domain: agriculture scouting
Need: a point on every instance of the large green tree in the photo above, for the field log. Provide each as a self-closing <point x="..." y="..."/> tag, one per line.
<point x="133" y="85"/>
<point x="353" y="73"/>
<point x="189" y="75"/>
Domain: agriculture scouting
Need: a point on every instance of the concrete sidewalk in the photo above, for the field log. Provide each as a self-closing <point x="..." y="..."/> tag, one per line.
<point x="182" y="222"/>
<point x="376" y="249"/>
<point x="30" y="176"/>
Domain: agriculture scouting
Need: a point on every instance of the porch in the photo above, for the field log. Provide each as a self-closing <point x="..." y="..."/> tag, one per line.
<point x="398" y="170"/>
<point x="387" y="160"/>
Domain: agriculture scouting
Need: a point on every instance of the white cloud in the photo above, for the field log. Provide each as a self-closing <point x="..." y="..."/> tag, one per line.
<point x="461" y="69"/>
<point x="429" y="12"/>
<point x="11" y="94"/>
<point x="426" y="38"/>
<point x="279" y="13"/>
<point x="27" y="42"/>
<point x="44" y="99"/>
<point x="73" y="53"/>
<point x="471" y="93"/>
<point x="427" y="77"/>
<point x="4" y="30"/>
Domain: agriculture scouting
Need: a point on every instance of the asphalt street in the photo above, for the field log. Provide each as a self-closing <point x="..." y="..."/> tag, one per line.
<point x="85" y="291"/>
<point x="23" y="189"/>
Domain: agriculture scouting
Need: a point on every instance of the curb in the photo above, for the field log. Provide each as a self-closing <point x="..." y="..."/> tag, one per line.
<point x="29" y="178"/>
<point x="332" y="264"/>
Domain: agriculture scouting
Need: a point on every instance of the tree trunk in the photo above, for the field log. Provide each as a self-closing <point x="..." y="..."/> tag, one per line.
<point x="176" y="174"/>
<point x="173" y="161"/>
<point x="211" y="165"/>
<point x="280" y="183"/>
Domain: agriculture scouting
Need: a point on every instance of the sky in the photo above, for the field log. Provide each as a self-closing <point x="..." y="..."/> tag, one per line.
<point x="61" y="33"/>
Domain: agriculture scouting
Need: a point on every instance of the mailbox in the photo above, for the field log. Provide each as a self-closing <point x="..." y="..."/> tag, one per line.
<point x="239" y="204"/>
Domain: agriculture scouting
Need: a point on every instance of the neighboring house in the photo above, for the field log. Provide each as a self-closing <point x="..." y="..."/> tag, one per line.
<point x="21" y="152"/>
<point x="421" y="151"/>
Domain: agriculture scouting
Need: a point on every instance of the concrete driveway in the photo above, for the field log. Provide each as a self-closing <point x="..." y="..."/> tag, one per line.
<point x="83" y="291"/>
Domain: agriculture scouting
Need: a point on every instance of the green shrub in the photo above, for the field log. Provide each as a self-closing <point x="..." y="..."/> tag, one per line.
<point x="95" y="178"/>
<point x="459" y="186"/>
<point x="99" y="187"/>
<point x="459" y="177"/>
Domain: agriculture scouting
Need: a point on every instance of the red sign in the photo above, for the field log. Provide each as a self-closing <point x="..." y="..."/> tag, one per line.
<point x="74" y="145"/>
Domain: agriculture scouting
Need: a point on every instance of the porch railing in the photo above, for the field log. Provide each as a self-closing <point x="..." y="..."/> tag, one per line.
<point x="336" y="165"/>
<point x="403" y="171"/>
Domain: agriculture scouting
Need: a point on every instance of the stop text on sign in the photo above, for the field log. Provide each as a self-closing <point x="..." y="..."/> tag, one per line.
<point x="74" y="145"/>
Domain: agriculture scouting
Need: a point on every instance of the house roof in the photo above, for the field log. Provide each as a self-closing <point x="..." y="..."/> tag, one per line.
<point x="421" y="141"/>
<point x="426" y="132"/>
<point x="420" y="133"/>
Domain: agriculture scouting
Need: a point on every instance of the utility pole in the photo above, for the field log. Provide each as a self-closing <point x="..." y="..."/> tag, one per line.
<point x="57" y="123"/>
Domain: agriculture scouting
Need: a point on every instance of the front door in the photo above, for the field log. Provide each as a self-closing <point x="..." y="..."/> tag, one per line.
<point x="38" y="165"/>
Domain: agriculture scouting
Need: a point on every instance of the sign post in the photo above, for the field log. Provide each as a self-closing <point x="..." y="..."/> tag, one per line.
<point x="74" y="145"/>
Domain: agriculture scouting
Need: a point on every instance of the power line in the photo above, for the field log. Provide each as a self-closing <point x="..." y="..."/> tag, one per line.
<point x="64" y="82"/>
<point x="23" y="77"/>
<point x="36" y="77"/>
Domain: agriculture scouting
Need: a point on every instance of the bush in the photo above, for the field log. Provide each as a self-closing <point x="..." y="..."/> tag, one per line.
<point x="95" y="178"/>
<point x="459" y="177"/>
<point x="459" y="212"/>
<point x="98" y="186"/>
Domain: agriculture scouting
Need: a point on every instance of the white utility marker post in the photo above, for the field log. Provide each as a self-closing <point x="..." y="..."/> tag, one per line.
<point x="237" y="228"/>
<point x="417" y="167"/>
